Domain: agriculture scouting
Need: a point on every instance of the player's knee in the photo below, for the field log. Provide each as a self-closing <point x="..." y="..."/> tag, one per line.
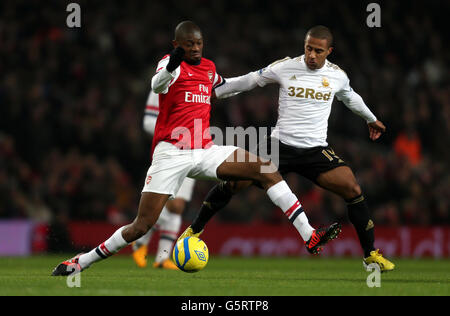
<point x="352" y="190"/>
<point x="176" y="206"/>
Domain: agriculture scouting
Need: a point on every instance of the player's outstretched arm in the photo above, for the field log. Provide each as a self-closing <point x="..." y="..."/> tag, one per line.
<point x="249" y="81"/>
<point x="236" y="85"/>
<point x="356" y="104"/>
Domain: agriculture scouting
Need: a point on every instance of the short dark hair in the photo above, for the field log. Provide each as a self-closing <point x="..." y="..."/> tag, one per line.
<point x="184" y="28"/>
<point x="321" y="32"/>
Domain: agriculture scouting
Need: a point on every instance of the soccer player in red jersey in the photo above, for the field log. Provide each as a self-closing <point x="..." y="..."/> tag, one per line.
<point x="169" y="221"/>
<point x="182" y="147"/>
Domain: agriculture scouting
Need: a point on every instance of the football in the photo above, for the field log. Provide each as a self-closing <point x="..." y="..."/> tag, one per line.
<point x="190" y="254"/>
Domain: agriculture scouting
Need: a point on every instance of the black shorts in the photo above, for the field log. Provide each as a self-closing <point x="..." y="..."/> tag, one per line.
<point x="307" y="162"/>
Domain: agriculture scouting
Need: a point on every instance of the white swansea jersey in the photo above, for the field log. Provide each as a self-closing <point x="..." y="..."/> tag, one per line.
<point x="305" y="99"/>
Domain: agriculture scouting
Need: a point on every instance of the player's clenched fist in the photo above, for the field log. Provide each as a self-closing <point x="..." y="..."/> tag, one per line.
<point x="176" y="57"/>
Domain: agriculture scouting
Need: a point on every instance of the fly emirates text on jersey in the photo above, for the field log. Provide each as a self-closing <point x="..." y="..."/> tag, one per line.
<point x="198" y="98"/>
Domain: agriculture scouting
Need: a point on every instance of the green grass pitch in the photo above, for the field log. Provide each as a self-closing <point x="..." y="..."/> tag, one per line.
<point x="226" y="277"/>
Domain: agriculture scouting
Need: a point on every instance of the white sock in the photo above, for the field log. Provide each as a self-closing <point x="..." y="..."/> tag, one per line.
<point x="164" y="249"/>
<point x="168" y="234"/>
<point x="104" y="250"/>
<point x="282" y="196"/>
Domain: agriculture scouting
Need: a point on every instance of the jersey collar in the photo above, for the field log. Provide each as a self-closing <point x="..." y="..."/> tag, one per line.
<point x="195" y="63"/>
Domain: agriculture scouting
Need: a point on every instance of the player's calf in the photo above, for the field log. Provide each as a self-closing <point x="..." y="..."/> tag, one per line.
<point x="276" y="188"/>
<point x="136" y="230"/>
<point x="216" y="199"/>
<point x="150" y="208"/>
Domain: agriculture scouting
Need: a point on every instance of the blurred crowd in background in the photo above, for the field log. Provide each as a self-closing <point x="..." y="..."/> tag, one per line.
<point x="72" y="145"/>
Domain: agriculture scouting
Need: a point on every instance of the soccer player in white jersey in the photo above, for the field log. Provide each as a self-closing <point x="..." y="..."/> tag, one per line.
<point x="308" y="85"/>
<point x="169" y="221"/>
<point x="183" y="147"/>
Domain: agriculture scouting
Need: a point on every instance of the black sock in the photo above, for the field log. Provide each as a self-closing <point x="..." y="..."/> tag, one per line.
<point x="358" y="213"/>
<point x="216" y="199"/>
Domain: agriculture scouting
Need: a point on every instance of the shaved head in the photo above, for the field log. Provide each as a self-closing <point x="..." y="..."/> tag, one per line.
<point x="186" y="28"/>
<point x="321" y="32"/>
<point x="189" y="36"/>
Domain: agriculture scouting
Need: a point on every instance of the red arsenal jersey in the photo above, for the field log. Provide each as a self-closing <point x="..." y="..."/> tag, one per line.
<point x="184" y="108"/>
